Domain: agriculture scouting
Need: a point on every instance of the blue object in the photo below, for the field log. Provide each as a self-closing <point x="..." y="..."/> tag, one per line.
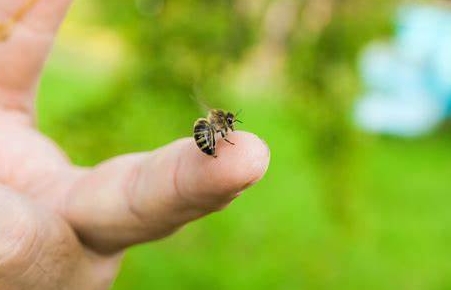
<point x="408" y="80"/>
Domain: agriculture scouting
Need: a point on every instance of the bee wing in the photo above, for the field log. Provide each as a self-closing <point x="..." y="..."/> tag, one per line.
<point x="195" y="96"/>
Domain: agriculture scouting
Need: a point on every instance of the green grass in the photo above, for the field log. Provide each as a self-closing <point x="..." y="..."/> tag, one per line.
<point x="279" y="234"/>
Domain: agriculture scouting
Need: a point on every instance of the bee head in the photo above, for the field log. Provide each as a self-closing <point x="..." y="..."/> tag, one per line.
<point x="231" y="120"/>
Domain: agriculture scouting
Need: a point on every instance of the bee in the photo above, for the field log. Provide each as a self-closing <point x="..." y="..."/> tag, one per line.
<point x="205" y="129"/>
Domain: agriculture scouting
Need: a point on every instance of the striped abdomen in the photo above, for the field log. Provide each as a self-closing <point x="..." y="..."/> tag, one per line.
<point x="204" y="135"/>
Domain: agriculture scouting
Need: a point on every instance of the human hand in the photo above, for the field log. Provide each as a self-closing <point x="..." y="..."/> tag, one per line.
<point x="63" y="226"/>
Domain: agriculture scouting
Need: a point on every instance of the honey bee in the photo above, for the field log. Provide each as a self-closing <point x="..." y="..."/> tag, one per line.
<point x="205" y="129"/>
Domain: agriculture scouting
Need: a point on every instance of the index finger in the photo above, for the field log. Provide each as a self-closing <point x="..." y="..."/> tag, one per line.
<point x="38" y="15"/>
<point x="28" y="28"/>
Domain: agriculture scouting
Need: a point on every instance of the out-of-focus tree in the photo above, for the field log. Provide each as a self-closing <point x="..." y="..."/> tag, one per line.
<point x="264" y="65"/>
<point x="179" y="44"/>
<point x="303" y="52"/>
<point x="321" y="68"/>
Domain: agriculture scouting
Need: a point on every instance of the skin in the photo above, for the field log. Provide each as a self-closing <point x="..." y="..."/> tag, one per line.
<point x="65" y="227"/>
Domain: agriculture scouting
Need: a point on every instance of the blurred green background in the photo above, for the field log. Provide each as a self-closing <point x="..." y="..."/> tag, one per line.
<point x="338" y="209"/>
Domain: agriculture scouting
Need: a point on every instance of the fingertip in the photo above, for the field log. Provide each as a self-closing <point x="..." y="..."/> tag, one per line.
<point x="236" y="168"/>
<point x="246" y="162"/>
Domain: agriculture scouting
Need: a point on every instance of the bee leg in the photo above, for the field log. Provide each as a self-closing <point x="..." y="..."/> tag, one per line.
<point x="224" y="134"/>
<point x="229" y="141"/>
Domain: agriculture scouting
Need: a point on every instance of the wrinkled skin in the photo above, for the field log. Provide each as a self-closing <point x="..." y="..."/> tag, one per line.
<point x="65" y="227"/>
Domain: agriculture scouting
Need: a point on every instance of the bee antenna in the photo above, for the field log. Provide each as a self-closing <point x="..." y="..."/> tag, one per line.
<point x="236" y="120"/>
<point x="239" y="112"/>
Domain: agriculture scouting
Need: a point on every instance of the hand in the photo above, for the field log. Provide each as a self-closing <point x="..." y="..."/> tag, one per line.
<point x="64" y="227"/>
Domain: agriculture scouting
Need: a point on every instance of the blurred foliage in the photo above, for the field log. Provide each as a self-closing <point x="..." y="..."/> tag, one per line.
<point x="337" y="209"/>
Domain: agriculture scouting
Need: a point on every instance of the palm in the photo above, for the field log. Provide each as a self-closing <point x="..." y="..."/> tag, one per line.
<point x="64" y="227"/>
<point x="33" y="166"/>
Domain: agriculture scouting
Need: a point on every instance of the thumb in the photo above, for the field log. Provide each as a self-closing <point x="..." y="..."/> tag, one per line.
<point x="142" y="197"/>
